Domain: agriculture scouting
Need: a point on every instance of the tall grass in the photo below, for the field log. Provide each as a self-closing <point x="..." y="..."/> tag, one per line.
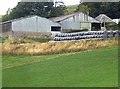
<point x="36" y="48"/>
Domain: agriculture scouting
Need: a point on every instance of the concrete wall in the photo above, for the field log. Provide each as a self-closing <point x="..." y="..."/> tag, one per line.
<point x="19" y="34"/>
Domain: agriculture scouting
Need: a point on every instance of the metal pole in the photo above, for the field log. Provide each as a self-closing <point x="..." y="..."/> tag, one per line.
<point x="101" y="25"/>
<point x="104" y="24"/>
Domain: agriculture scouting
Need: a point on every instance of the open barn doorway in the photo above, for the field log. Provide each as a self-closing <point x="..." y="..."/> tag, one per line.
<point x="56" y="28"/>
<point x="96" y="27"/>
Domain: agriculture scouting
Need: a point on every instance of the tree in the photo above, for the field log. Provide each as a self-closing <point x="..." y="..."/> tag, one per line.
<point x="43" y="9"/>
<point x="83" y="8"/>
<point x="30" y="8"/>
<point x="111" y="9"/>
<point x="59" y="9"/>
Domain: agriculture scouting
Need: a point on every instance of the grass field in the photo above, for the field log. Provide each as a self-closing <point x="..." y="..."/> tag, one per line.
<point x="98" y="68"/>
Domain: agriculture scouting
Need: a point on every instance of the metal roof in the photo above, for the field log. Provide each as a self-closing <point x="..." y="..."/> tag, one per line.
<point x="62" y="18"/>
<point x="103" y="18"/>
<point x="90" y="19"/>
<point x="18" y="19"/>
<point x="22" y="18"/>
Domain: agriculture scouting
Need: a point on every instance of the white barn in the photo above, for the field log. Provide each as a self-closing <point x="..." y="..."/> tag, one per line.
<point x="30" y="24"/>
<point x="76" y="22"/>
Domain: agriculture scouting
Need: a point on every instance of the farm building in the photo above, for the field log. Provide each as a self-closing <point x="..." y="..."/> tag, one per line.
<point x="28" y="26"/>
<point x="104" y="19"/>
<point x="116" y="20"/>
<point x="77" y="22"/>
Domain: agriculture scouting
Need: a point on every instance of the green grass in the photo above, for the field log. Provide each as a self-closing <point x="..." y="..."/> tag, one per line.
<point x="0" y="65"/>
<point x="98" y="68"/>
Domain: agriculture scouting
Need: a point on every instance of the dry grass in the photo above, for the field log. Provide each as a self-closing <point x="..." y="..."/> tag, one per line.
<point x="55" y="47"/>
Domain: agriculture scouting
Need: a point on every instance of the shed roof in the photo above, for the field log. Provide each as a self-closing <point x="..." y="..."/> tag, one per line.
<point x="104" y="18"/>
<point x="22" y="18"/>
<point x="62" y="18"/>
<point x="18" y="19"/>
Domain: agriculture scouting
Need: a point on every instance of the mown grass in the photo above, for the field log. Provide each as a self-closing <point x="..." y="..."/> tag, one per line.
<point x="14" y="61"/>
<point x="98" y="68"/>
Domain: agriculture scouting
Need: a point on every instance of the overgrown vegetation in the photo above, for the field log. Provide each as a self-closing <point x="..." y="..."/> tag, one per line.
<point x="113" y="26"/>
<point x="41" y="39"/>
<point x="37" y="48"/>
<point x="26" y="40"/>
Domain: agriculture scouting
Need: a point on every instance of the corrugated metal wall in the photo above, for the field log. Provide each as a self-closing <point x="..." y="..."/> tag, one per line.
<point x="70" y="23"/>
<point x="75" y="23"/>
<point x="44" y="25"/>
<point x="27" y="24"/>
<point x="78" y="22"/>
<point x="33" y="24"/>
<point x="5" y="27"/>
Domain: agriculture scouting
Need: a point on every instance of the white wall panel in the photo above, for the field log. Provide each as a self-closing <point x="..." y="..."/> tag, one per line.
<point x="27" y="24"/>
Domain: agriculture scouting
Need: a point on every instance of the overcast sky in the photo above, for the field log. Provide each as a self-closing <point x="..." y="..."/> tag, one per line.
<point x="5" y="4"/>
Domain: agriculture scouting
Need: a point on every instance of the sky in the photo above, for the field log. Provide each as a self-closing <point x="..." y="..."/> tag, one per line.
<point x="5" y="4"/>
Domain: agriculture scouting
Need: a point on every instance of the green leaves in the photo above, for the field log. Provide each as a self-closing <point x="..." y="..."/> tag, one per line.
<point x="57" y="11"/>
<point x="43" y="9"/>
<point x="111" y="9"/>
<point x="83" y="8"/>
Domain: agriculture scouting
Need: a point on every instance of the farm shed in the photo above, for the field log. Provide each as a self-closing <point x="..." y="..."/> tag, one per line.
<point x="104" y="19"/>
<point x="29" y="25"/>
<point x="77" y="22"/>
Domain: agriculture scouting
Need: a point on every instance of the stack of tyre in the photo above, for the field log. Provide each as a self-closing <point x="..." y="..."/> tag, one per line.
<point x="86" y="35"/>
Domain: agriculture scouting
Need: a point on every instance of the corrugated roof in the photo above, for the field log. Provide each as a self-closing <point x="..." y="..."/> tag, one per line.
<point x="18" y="19"/>
<point x="61" y="18"/>
<point x="104" y="18"/>
<point x="90" y="19"/>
